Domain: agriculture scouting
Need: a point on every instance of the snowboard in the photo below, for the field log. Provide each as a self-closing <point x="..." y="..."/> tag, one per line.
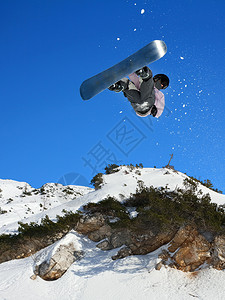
<point x="146" y="55"/>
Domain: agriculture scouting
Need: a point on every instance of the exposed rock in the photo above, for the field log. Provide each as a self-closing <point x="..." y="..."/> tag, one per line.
<point x="120" y="238"/>
<point x="146" y="243"/>
<point x="137" y="243"/>
<point x="33" y="277"/>
<point x="98" y="235"/>
<point x="58" y="258"/>
<point x="117" y="239"/>
<point x="134" y="243"/>
<point x="189" y="249"/>
<point x="89" y="223"/>
<point x="164" y="255"/>
<point x="218" y="253"/>
<point x="159" y="266"/>
<point x="59" y="263"/>
<point x="124" y="252"/>
<point x="181" y="236"/>
<point x="105" y="245"/>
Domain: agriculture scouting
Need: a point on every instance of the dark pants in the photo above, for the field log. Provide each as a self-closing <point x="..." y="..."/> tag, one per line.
<point x="143" y="99"/>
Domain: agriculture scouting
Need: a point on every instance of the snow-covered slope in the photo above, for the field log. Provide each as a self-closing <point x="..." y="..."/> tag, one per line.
<point x="126" y="181"/>
<point x="52" y="198"/>
<point x="19" y="201"/>
<point x="96" y="275"/>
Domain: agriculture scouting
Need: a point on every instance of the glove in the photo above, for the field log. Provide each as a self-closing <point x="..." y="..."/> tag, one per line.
<point x="154" y="111"/>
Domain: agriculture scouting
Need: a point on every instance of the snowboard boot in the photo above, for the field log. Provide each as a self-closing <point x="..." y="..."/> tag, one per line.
<point x="119" y="86"/>
<point x="145" y="73"/>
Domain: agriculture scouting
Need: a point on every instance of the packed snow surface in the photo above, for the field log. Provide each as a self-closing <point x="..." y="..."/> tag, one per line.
<point x="96" y="275"/>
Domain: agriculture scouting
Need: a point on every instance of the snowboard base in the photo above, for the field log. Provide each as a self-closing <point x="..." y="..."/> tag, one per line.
<point x="146" y="55"/>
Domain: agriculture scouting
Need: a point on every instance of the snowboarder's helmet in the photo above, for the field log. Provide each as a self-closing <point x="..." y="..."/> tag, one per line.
<point x="164" y="80"/>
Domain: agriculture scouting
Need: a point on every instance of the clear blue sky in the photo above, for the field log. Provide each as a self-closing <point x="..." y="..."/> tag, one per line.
<point x="49" y="47"/>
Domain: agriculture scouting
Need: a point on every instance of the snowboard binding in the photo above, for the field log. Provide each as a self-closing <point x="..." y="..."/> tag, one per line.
<point x="116" y="87"/>
<point x="145" y="73"/>
<point x="119" y="86"/>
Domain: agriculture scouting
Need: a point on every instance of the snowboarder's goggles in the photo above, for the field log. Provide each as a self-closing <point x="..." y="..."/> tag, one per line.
<point x="164" y="85"/>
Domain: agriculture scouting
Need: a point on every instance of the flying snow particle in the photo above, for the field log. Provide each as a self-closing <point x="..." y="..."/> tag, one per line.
<point x="118" y="39"/>
<point x="135" y="29"/>
<point x="142" y="11"/>
<point x="181" y="57"/>
<point x="184" y="105"/>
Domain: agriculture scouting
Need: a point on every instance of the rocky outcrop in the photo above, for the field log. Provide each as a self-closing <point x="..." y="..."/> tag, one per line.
<point x="97" y="228"/>
<point x="59" y="263"/>
<point x="218" y="253"/>
<point x="54" y="262"/>
<point x="103" y="232"/>
<point x="141" y="244"/>
<point x="90" y="223"/>
<point x="116" y="239"/>
<point x="189" y="249"/>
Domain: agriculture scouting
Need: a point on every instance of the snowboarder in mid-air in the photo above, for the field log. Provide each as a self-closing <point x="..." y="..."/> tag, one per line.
<point x="143" y="91"/>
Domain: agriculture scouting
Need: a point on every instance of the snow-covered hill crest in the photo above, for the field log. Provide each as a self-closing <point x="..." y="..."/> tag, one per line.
<point x="120" y="219"/>
<point x="128" y="179"/>
<point x="20" y="202"/>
